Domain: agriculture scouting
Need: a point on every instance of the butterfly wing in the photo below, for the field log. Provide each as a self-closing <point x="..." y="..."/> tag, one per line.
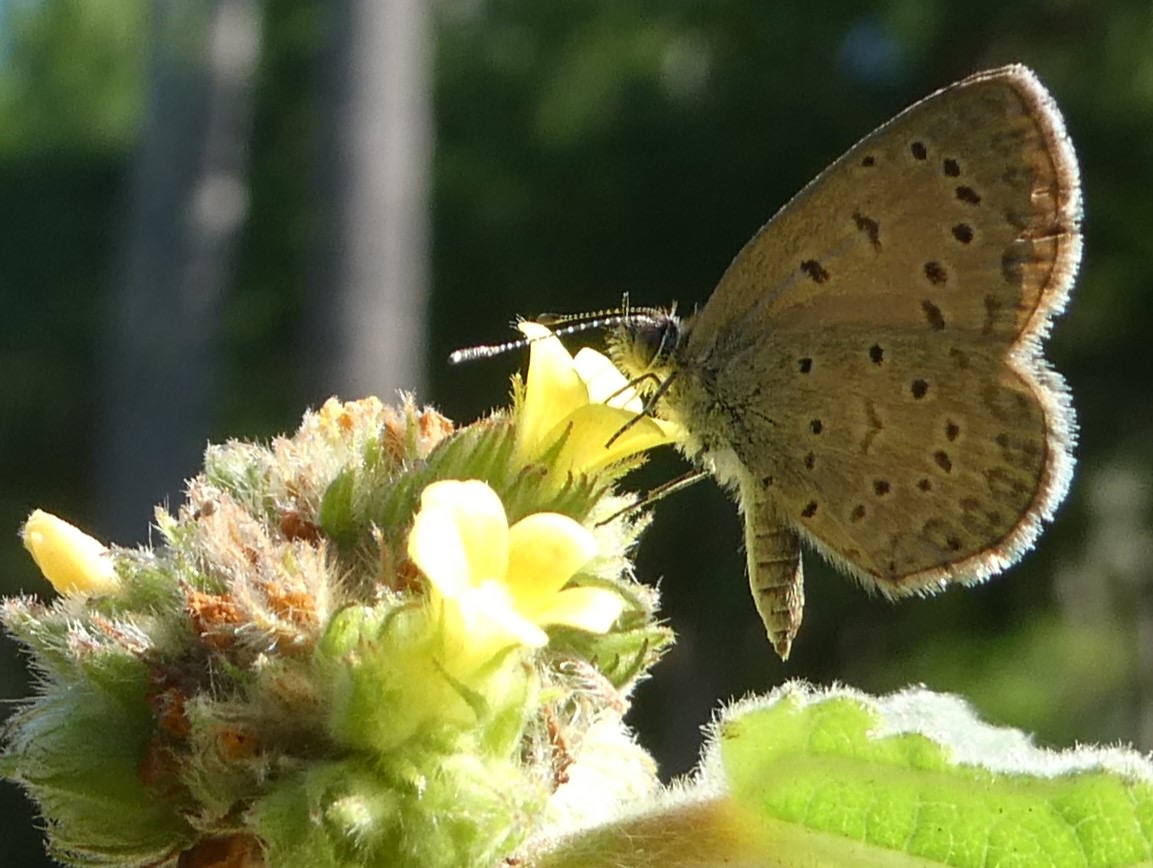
<point x="872" y="357"/>
<point x="977" y="179"/>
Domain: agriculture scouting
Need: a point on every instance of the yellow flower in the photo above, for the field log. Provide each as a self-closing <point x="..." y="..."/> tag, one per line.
<point x="497" y="585"/>
<point x="70" y="559"/>
<point x="586" y="398"/>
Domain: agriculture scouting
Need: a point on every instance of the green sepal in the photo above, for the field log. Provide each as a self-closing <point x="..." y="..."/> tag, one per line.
<point x="81" y="753"/>
<point x="387" y="686"/>
<point x="432" y="809"/>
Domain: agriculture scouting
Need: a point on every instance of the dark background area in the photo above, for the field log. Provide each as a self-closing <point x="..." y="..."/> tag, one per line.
<point x="581" y="150"/>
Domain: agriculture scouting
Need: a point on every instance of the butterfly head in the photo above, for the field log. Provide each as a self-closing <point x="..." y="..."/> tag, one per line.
<point x="642" y="345"/>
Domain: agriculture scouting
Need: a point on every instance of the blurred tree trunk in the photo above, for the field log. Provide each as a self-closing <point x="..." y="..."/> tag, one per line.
<point x="369" y="288"/>
<point x="187" y="200"/>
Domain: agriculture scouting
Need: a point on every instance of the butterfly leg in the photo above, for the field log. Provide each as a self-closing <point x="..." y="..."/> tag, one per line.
<point x="775" y="574"/>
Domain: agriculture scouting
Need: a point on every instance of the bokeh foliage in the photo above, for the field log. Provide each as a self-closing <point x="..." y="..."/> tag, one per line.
<point x="590" y="148"/>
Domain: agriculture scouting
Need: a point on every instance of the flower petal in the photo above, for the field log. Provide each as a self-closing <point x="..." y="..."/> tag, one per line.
<point x="435" y="545"/>
<point x="591" y="609"/>
<point x="605" y="383"/>
<point x="493" y="603"/>
<point x="553" y="389"/>
<point x="545" y="549"/>
<point x="480" y="524"/>
<point x="70" y="559"/>
<point x="593" y="426"/>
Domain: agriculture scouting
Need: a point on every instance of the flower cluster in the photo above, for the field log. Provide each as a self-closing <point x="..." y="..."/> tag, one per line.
<point x="378" y="606"/>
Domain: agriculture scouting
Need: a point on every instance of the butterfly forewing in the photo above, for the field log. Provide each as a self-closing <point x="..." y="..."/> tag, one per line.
<point x="974" y="181"/>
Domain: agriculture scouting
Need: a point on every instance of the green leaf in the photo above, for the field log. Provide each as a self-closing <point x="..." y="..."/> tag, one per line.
<point x="918" y="774"/>
<point x="834" y="777"/>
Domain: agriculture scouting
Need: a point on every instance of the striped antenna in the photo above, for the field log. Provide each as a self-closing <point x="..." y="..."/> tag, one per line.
<point x="485" y="351"/>
<point x="570" y="324"/>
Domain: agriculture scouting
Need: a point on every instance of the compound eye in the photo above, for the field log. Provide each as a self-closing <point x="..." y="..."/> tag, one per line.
<point x="654" y="340"/>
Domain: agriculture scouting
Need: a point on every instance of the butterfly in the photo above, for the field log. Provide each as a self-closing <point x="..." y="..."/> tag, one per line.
<point x="868" y="376"/>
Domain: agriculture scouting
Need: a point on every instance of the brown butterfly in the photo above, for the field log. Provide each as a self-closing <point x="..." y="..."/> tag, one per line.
<point x="868" y="375"/>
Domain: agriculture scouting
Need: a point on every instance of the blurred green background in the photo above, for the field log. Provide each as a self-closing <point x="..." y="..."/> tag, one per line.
<point x="578" y="150"/>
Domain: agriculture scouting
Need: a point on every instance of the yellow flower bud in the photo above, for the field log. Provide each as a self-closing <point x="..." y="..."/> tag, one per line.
<point x="70" y="559"/>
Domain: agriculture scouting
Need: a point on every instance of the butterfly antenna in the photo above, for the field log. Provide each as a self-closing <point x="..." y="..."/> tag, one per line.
<point x="485" y="351"/>
<point x="569" y="324"/>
